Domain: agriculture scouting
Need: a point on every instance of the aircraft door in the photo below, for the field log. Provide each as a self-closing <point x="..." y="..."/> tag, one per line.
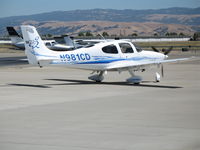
<point x="127" y="50"/>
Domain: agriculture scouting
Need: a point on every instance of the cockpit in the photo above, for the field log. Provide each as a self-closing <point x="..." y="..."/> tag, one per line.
<point x="126" y="48"/>
<point x="122" y="47"/>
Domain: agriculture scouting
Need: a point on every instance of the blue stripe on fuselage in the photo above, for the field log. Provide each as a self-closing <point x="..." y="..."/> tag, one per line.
<point x="107" y="61"/>
<point x="118" y="59"/>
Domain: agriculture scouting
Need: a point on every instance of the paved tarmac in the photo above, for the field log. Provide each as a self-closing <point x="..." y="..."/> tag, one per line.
<point x="60" y="109"/>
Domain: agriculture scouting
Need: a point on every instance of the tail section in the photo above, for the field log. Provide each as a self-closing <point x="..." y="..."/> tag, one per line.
<point x="69" y="41"/>
<point x="35" y="49"/>
<point x="14" y="36"/>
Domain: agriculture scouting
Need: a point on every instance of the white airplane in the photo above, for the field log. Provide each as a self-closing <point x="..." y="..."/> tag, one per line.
<point x="18" y="41"/>
<point x="107" y="56"/>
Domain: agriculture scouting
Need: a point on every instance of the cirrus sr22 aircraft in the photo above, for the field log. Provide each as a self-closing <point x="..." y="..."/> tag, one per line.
<point x="106" y="56"/>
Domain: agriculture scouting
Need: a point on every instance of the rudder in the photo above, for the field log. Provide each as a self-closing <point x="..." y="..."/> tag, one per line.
<point x="34" y="46"/>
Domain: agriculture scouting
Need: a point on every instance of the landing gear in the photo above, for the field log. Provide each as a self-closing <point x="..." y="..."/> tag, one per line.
<point x="157" y="77"/>
<point x="97" y="77"/>
<point x="134" y="79"/>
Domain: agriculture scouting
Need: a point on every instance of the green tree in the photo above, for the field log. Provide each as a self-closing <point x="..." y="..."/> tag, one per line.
<point x="49" y="35"/>
<point x="167" y="34"/>
<point x="196" y="36"/>
<point x="81" y="34"/>
<point x="88" y="34"/>
<point x="181" y="34"/>
<point x="134" y="34"/>
<point x="155" y="34"/>
<point x="105" y="34"/>
<point x="171" y="34"/>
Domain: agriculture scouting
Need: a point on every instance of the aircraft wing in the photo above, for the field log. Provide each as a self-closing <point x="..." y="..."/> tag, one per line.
<point x="138" y="64"/>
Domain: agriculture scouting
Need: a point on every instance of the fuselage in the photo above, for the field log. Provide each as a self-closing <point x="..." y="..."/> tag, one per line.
<point x="101" y="55"/>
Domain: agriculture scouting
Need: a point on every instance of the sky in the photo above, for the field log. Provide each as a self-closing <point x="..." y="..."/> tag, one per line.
<point x="28" y="7"/>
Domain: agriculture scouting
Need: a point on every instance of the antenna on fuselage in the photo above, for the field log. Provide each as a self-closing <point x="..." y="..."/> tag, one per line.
<point x="102" y="37"/>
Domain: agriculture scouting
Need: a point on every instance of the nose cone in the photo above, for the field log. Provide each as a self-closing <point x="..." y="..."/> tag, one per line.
<point x="162" y="56"/>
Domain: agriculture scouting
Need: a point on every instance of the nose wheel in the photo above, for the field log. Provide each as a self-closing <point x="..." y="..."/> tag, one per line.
<point x="157" y="77"/>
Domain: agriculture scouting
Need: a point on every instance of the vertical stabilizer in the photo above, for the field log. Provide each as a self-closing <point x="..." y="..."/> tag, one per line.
<point x="35" y="49"/>
<point x="14" y="36"/>
<point x="69" y="41"/>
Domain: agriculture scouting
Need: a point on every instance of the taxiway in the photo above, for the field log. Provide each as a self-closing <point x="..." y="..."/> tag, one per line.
<point x="59" y="108"/>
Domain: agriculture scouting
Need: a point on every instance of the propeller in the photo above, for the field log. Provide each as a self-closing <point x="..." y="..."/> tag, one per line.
<point x="162" y="70"/>
<point x="155" y="49"/>
<point x="165" y="51"/>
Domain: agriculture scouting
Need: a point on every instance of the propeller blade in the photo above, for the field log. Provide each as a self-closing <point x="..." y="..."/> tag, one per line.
<point x="162" y="70"/>
<point x="167" y="51"/>
<point x="155" y="49"/>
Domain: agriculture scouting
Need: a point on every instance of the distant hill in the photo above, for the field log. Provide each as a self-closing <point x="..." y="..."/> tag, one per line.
<point x="112" y="28"/>
<point x="186" y="20"/>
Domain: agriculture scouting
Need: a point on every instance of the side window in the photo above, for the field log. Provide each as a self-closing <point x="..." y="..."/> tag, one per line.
<point x="126" y="48"/>
<point x="53" y="43"/>
<point x="47" y="44"/>
<point x="111" y="49"/>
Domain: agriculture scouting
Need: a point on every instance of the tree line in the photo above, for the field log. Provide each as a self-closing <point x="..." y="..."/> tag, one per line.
<point x="195" y="37"/>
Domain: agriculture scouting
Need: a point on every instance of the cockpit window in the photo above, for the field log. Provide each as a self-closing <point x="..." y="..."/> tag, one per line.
<point x="53" y="43"/>
<point x="88" y="46"/>
<point x="126" y="48"/>
<point x="111" y="49"/>
<point x="139" y="49"/>
<point x="47" y="44"/>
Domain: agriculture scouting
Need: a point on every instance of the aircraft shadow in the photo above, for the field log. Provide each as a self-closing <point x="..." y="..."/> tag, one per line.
<point x="83" y="82"/>
<point x="9" y="61"/>
<point x="30" y="85"/>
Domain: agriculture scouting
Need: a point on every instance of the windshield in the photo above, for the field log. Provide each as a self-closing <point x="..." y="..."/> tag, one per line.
<point x="126" y="48"/>
<point x="139" y="49"/>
